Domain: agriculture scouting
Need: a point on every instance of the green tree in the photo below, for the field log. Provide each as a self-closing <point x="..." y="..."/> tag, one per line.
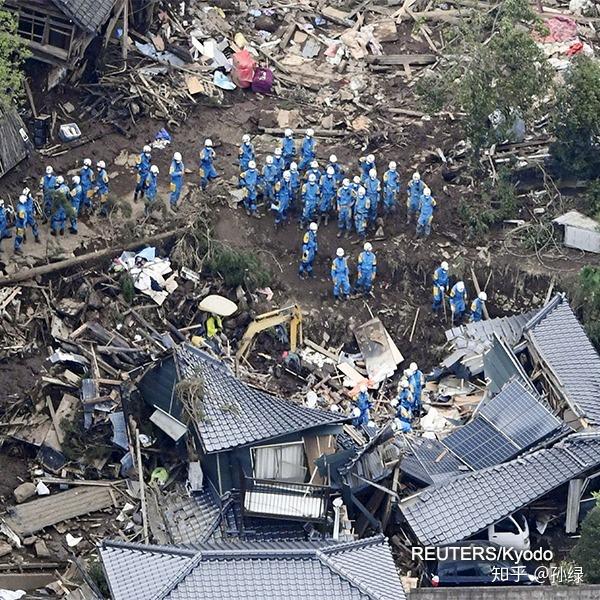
<point x="12" y="54"/>
<point x="587" y="296"/>
<point x="577" y="120"/>
<point x="586" y="553"/>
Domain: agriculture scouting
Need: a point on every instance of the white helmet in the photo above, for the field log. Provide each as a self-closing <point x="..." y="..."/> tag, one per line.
<point x="368" y="247"/>
<point x="373" y="173"/>
<point x="444" y="265"/>
<point x="22" y="199"/>
<point x="49" y="170"/>
<point x="251" y="165"/>
<point x="147" y="149"/>
<point x="361" y="191"/>
<point x="356" y="412"/>
<point x="392" y="166"/>
<point x="404" y="383"/>
<point x="153" y="169"/>
<point x="314" y="164"/>
<point x="370" y="158"/>
<point x="1" y="203"/>
<point x="288" y="133"/>
<point x="208" y="143"/>
<point x="312" y="177"/>
<point x="293" y="167"/>
<point x="426" y="191"/>
<point x="346" y="182"/>
<point x="287" y="175"/>
<point x="177" y="157"/>
<point x="413" y="367"/>
<point x="76" y="179"/>
<point x="330" y="171"/>
<point x="356" y="179"/>
<point x="363" y="388"/>
<point x="269" y="160"/>
<point x="310" y="132"/>
<point x="101" y="164"/>
<point x="333" y="158"/>
<point x="416" y="176"/>
<point x="26" y="191"/>
<point x="277" y="151"/>
<point x="313" y="226"/>
<point x="60" y="180"/>
<point x="482" y="296"/>
<point x="460" y="286"/>
<point x="87" y="162"/>
<point x="246" y="138"/>
<point x="339" y="252"/>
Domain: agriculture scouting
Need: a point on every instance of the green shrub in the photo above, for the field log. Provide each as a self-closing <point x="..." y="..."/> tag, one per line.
<point x="586" y="553"/>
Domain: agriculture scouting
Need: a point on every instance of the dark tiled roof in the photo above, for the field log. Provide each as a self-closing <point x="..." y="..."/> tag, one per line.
<point x="563" y="345"/>
<point x="453" y="511"/>
<point x="360" y="570"/>
<point x="236" y="414"/>
<point x="87" y="14"/>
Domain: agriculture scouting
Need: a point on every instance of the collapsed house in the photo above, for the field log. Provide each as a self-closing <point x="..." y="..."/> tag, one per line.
<point x="16" y="144"/>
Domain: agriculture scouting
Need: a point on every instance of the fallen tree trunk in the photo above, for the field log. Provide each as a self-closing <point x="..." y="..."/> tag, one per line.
<point x="90" y="257"/>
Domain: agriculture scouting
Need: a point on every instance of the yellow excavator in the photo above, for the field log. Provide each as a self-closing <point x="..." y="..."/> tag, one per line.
<point x="290" y="314"/>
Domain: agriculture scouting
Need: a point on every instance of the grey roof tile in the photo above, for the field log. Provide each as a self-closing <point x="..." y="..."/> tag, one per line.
<point x="237" y="414"/>
<point x="87" y="14"/>
<point x="464" y="506"/>
<point x="562" y="344"/>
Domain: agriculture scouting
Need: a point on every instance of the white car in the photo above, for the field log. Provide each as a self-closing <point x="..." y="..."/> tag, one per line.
<point x="511" y="532"/>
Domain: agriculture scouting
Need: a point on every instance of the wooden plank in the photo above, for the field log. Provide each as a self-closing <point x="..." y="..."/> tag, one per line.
<point x="313" y="346"/>
<point x="402" y="59"/>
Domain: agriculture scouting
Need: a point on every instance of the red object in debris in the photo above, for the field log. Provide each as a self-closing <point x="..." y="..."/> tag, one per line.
<point x="435" y="581"/>
<point x="575" y="48"/>
<point x="244" y="65"/>
<point x="560" y="29"/>
<point x="263" y="81"/>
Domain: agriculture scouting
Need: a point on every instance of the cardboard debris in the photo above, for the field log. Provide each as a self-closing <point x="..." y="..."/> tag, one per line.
<point x="379" y="351"/>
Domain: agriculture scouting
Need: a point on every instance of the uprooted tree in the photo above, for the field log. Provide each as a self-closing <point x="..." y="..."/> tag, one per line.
<point x="493" y="67"/>
<point x="12" y="54"/>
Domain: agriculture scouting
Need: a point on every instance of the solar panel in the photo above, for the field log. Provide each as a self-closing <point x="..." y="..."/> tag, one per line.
<point x="480" y="445"/>
<point x="520" y="415"/>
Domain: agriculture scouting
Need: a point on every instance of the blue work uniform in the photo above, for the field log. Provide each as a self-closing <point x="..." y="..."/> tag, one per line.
<point x="279" y="165"/>
<point x="310" y="200"/>
<point x="391" y="187"/>
<point x="310" y="238"/>
<point x="338" y="172"/>
<point x="307" y="152"/>
<point x="316" y="172"/>
<point x="249" y="181"/>
<point x="404" y="412"/>
<point x="31" y="220"/>
<point x="328" y="193"/>
<point x="426" y="208"/>
<point x="77" y="202"/>
<point x="363" y="404"/>
<point x="59" y="215"/>
<point x="288" y="151"/>
<point x="296" y="180"/>
<point x="86" y="174"/>
<point x="176" y="172"/>
<point x="458" y="302"/>
<point x="477" y="310"/>
<point x="365" y="167"/>
<point x="101" y="190"/>
<point x="151" y="188"/>
<point x="48" y="186"/>
<point x="414" y="191"/>
<point x="270" y="176"/>
<point x="20" y="226"/>
<point x="340" y="277"/>
<point x="142" y="166"/>
<point x="308" y="257"/>
<point x="416" y="381"/>
<point x="440" y="285"/>
<point x="246" y="154"/>
<point x="367" y="269"/>
<point x="283" y="198"/>
<point x="373" y="189"/>
<point x="361" y="214"/>
<point x="344" y="209"/>
<point x="207" y="168"/>
<point x="4" y="232"/>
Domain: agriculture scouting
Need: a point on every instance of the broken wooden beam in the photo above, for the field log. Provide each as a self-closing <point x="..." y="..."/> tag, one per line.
<point x="402" y="59"/>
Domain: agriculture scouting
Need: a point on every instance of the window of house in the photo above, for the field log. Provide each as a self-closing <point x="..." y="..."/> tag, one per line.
<point x="283" y="462"/>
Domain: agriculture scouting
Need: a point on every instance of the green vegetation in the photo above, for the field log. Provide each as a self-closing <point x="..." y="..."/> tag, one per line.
<point x="585" y="553"/>
<point x="12" y="54"/>
<point x="96" y="574"/>
<point x="591" y="200"/>
<point x="587" y="296"/>
<point x="577" y="120"/>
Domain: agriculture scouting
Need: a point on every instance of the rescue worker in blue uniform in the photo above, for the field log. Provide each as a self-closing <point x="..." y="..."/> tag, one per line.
<point x="356" y="183"/>
<point x="310" y="237"/>
<point x="283" y="198"/>
<point x="151" y="189"/>
<point x="279" y="163"/>
<point x="361" y="411"/>
<point x="414" y="191"/>
<point x="366" y="164"/>
<point x="249" y="181"/>
<point x="477" y="307"/>
<point x="100" y="187"/>
<point x="269" y="178"/>
<point x="20" y="224"/>
<point x="458" y="301"/>
<point x="416" y="380"/>
<point x="60" y="201"/>
<point x="296" y="180"/>
<point x="31" y="220"/>
<point x="391" y="187"/>
<point x="440" y="285"/>
<point x="207" y="167"/>
<point x="367" y="269"/>
<point x="4" y="232"/>
<point x="361" y="212"/>
<point x="308" y="256"/>
<point x="337" y="169"/>
<point x="48" y="186"/>
<point x="328" y="194"/>
<point x="288" y="148"/>
<point x="86" y="174"/>
<point x="176" y="172"/>
<point x="142" y="167"/>
<point x="344" y="209"/>
<point x="310" y="199"/>
<point x="77" y="200"/>
<point x="314" y="169"/>
<point x="373" y="189"/>
<point x="404" y="404"/>
<point x="246" y="153"/>
<point x="426" y="208"/>
<point x="340" y="276"/>
<point x="308" y="150"/>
